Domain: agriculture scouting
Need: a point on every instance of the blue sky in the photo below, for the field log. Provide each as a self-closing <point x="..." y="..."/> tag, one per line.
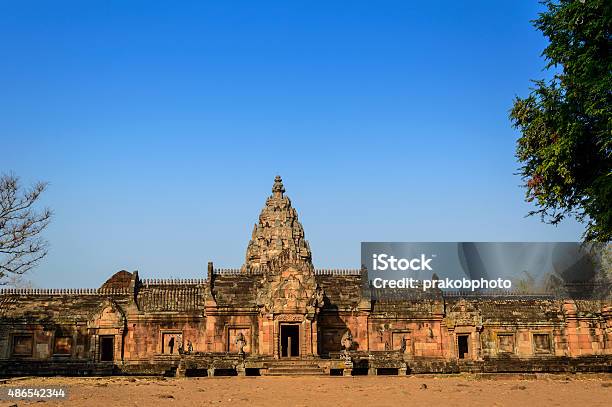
<point x="161" y="125"/>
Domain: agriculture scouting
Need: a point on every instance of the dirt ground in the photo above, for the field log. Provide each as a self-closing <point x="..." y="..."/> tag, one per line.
<point x="463" y="390"/>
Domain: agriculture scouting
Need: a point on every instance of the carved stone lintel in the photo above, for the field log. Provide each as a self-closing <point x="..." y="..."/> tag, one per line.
<point x="289" y="317"/>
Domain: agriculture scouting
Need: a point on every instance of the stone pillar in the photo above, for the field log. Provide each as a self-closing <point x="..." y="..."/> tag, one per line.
<point x="572" y="328"/>
<point x="348" y="367"/>
<point x="94" y="344"/>
<point x="314" y="337"/>
<point x="211" y="340"/>
<point x="452" y="344"/>
<point x="266" y="340"/>
<point x="607" y="330"/>
<point x="121" y="336"/>
<point x="476" y="355"/>
<point x="303" y="335"/>
<point x="274" y="336"/>
<point x="241" y="370"/>
<point x="181" y="369"/>
<point x="306" y="337"/>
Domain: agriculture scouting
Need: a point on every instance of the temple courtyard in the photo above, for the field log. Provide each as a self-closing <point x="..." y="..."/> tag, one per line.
<point x="447" y="390"/>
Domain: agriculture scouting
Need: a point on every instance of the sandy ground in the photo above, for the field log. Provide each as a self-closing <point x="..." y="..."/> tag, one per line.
<point x="543" y="390"/>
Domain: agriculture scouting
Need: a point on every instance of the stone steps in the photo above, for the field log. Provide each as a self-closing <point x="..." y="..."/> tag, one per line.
<point x="295" y="372"/>
<point x="291" y="363"/>
<point x="294" y="367"/>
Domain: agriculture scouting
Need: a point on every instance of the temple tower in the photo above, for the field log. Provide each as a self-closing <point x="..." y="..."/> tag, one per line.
<point x="288" y="296"/>
<point x="278" y="230"/>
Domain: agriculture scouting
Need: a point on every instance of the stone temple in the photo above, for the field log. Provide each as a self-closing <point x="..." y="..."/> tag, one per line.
<point x="278" y="315"/>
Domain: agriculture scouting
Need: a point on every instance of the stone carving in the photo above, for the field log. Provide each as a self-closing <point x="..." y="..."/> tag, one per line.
<point x="289" y="317"/>
<point x="347" y="340"/>
<point x="172" y="343"/>
<point x="463" y="313"/>
<point x="108" y="313"/>
<point x="240" y="342"/>
<point x="347" y="344"/>
<point x="318" y="297"/>
<point x="279" y="251"/>
<point x="289" y="286"/>
<point x="278" y="229"/>
<point x="347" y="359"/>
<point x="403" y="344"/>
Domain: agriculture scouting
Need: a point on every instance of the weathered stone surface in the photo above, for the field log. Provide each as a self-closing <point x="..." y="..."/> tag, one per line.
<point x="278" y="229"/>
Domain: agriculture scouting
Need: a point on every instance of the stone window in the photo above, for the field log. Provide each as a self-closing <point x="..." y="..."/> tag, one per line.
<point x="171" y="342"/>
<point x="62" y="345"/>
<point x="23" y="345"/>
<point x="232" y="334"/>
<point x="505" y="343"/>
<point x="541" y="343"/>
<point x="401" y="341"/>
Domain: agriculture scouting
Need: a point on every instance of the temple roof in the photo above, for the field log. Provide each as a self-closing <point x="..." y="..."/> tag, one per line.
<point x="342" y="291"/>
<point x="53" y="308"/>
<point x="278" y="229"/>
<point x="235" y="291"/>
<point x="176" y="298"/>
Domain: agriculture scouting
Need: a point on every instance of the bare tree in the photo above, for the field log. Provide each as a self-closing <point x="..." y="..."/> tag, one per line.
<point x="21" y="246"/>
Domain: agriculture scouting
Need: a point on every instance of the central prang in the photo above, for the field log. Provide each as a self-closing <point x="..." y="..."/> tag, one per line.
<point x="278" y="230"/>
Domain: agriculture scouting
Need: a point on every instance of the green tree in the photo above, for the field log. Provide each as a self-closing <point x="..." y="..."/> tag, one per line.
<point x="566" y="123"/>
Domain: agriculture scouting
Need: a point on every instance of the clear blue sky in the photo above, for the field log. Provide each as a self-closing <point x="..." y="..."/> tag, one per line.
<point x="161" y="125"/>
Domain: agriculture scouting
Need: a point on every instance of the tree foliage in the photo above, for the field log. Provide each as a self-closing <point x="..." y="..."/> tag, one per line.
<point x="21" y="246"/>
<point x="566" y="122"/>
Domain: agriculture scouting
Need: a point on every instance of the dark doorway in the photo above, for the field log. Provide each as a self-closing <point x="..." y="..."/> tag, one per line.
<point x="463" y="346"/>
<point x="290" y="340"/>
<point x="107" y="351"/>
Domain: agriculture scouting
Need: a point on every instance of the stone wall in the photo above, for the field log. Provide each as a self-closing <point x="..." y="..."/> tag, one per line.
<point x="49" y="329"/>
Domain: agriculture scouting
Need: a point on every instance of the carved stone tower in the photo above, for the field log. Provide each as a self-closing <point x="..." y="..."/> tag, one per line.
<point x="278" y="230"/>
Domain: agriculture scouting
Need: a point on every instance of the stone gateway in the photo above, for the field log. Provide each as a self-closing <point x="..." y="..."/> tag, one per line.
<point x="277" y="315"/>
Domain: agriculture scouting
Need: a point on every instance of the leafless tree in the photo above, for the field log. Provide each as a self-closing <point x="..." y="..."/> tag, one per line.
<point x="21" y="246"/>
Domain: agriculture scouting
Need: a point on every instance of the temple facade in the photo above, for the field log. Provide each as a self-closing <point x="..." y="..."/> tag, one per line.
<point x="277" y="315"/>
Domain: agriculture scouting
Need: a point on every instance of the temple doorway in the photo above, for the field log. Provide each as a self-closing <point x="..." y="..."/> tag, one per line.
<point x="107" y="345"/>
<point x="290" y="340"/>
<point x="463" y="346"/>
